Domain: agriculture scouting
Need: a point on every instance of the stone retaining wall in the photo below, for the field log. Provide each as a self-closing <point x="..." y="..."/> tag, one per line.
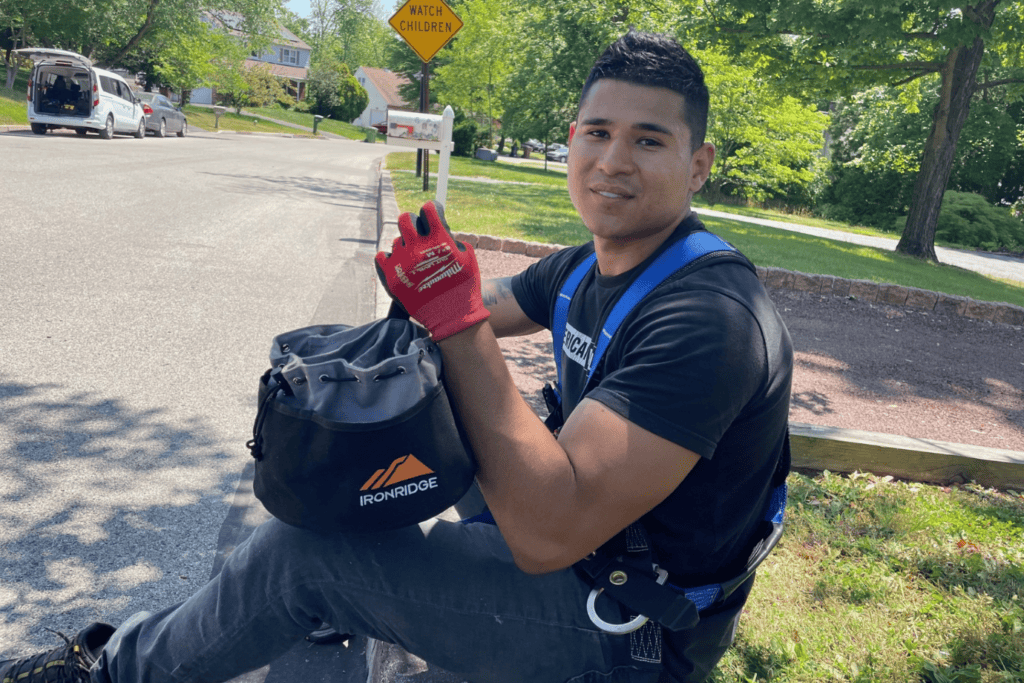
<point x="825" y="285"/>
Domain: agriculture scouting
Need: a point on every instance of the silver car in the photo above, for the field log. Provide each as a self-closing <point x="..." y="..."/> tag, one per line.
<point x="162" y="117"/>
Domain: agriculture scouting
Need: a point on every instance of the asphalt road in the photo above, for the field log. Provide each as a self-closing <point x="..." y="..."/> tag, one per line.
<point x="141" y="282"/>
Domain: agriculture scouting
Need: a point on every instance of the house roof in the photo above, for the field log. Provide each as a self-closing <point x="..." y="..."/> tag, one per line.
<point x="294" y="73"/>
<point x="234" y="21"/>
<point x="387" y="83"/>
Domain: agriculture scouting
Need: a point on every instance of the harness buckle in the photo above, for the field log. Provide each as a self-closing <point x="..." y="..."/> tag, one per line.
<point x="629" y="626"/>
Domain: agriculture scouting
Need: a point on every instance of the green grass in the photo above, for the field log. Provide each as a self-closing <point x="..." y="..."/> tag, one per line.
<point x="13" y="110"/>
<point x="203" y="117"/>
<point x="879" y="580"/>
<point x="475" y="168"/>
<point x="306" y="119"/>
<point x="541" y="211"/>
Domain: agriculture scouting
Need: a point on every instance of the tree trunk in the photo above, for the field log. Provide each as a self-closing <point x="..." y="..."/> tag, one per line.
<point x="958" y="86"/>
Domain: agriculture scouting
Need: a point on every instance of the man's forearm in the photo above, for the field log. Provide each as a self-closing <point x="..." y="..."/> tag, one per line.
<point x="525" y="476"/>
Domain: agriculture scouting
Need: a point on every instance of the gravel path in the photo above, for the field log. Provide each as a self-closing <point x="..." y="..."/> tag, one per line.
<point x="863" y="366"/>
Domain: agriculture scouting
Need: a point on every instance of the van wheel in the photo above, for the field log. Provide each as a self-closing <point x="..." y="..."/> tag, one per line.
<point x="162" y="131"/>
<point x="81" y="131"/>
<point x="39" y="128"/>
<point x="141" y="131"/>
<point x="184" y="129"/>
<point x="108" y="130"/>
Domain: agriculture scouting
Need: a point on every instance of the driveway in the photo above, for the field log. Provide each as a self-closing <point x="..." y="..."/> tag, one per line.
<point x="141" y="283"/>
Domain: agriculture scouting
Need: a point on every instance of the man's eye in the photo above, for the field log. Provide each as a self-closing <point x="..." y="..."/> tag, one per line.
<point x="598" y="133"/>
<point x="650" y="142"/>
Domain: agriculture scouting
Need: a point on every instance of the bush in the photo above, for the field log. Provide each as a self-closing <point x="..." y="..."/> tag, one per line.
<point x="464" y="138"/>
<point x="334" y="91"/>
<point x="968" y="220"/>
<point x="285" y="101"/>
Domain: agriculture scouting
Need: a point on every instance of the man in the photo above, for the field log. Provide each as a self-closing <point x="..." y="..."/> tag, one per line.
<point x="681" y="428"/>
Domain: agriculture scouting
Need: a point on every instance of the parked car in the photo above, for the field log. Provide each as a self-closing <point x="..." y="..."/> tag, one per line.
<point x="66" y="91"/>
<point x="559" y="154"/>
<point x="162" y="117"/>
<point x="534" y="145"/>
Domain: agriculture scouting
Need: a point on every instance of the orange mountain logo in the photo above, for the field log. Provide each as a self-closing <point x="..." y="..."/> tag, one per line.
<point x="401" y="470"/>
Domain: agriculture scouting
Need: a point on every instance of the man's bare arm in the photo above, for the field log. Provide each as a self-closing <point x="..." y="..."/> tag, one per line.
<point x="554" y="500"/>
<point x="507" y="318"/>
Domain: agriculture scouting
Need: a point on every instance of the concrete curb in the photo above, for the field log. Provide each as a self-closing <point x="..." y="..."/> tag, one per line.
<point x="825" y="285"/>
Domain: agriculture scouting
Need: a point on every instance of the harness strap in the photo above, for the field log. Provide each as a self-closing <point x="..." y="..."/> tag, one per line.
<point x="677" y="256"/>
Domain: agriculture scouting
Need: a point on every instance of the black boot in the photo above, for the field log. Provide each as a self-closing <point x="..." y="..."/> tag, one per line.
<point x="68" y="663"/>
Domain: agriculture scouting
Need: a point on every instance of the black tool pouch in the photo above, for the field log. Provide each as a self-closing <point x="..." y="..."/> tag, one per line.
<point x="553" y="402"/>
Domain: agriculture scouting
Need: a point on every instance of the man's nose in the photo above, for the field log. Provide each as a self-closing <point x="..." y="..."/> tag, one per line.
<point x="616" y="157"/>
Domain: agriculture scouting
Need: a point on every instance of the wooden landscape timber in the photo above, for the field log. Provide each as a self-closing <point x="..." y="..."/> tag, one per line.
<point x="933" y="462"/>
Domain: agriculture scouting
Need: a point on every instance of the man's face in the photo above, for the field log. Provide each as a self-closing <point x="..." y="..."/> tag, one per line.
<point x="631" y="169"/>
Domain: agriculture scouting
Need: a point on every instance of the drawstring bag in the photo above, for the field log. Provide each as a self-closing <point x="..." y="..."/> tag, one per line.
<point x="354" y="430"/>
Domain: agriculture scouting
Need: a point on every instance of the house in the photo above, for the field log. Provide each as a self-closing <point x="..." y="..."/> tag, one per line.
<point x="288" y="56"/>
<point x="382" y="85"/>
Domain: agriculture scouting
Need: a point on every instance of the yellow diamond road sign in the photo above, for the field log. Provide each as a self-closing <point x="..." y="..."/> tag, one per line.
<point x="427" y="25"/>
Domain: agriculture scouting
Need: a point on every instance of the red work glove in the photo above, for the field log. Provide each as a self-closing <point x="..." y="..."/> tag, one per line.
<point x="435" y="278"/>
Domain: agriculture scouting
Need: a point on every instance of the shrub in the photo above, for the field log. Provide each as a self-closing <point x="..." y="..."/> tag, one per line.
<point x="334" y="91"/>
<point x="464" y="137"/>
<point x="968" y="220"/>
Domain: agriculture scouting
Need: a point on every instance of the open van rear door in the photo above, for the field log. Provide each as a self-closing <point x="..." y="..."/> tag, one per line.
<point x="62" y="57"/>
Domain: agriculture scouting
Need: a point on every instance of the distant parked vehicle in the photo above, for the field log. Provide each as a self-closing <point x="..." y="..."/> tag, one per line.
<point x="66" y="91"/>
<point x="559" y="154"/>
<point x="162" y="117"/>
<point x="534" y="145"/>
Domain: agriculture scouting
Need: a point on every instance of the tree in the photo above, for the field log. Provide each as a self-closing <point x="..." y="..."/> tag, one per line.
<point x="335" y="92"/>
<point x="879" y="137"/>
<point x="110" y="33"/>
<point x="189" y="59"/>
<point x="765" y="142"/>
<point x="477" y="61"/>
<point x="844" y="45"/>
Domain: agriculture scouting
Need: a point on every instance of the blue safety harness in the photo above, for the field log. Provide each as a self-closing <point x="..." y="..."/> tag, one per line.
<point x="633" y="578"/>
<point x="630" y="573"/>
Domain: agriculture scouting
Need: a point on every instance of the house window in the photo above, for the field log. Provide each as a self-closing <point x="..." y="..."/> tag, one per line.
<point x="289" y="56"/>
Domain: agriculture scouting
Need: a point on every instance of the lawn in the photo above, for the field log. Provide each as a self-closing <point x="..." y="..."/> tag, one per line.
<point x="537" y="208"/>
<point x="204" y="118"/>
<point x="306" y="119"/>
<point x="13" y="111"/>
<point x="881" y="580"/>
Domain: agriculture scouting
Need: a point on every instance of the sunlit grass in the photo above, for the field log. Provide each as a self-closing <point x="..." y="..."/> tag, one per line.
<point x="306" y="119"/>
<point x="542" y="212"/>
<point x="878" y="580"/>
<point x="204" y="118"/>
<point x="476" y="168"/>
<point x="13" y="108"/>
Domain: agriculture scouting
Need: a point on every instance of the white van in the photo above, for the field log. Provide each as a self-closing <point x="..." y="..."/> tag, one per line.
<point x="67" y="91"/>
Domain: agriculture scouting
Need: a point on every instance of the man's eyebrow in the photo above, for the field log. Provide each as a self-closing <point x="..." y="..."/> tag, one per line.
<point x="653" y="127"/>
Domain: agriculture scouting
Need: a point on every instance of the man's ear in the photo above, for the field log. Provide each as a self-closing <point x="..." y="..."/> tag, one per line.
<point x="700" y="166"/>
<point x="572" y="130"/>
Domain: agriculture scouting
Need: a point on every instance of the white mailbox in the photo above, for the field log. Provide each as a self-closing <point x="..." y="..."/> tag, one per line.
<point x="425" y="131"/>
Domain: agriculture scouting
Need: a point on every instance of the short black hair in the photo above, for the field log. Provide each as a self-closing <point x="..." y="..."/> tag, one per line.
<point x="657" y="60"/>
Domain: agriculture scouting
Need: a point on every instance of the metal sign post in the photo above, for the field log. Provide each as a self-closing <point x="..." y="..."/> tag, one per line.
<point x="427" y="26"/>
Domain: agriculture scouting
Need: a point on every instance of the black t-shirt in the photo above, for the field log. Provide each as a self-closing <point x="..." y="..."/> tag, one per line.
<point x="703" y="361"/>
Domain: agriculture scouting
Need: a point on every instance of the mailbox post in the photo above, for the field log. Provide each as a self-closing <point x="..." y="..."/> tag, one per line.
<point x="317" y="118"/>
<point x="217" y="111"/>
<point x="425" y="131"/>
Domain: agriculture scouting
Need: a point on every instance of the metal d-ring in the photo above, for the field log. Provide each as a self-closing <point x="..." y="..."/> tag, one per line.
<point x="629" y="626"/>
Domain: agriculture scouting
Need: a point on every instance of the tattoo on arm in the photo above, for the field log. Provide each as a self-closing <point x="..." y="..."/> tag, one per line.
<point x="494" y="291"/>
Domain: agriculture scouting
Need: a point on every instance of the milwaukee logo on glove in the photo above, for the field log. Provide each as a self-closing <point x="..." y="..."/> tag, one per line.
<point x="434" y="278"/>
<point x="402" y="469"/>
